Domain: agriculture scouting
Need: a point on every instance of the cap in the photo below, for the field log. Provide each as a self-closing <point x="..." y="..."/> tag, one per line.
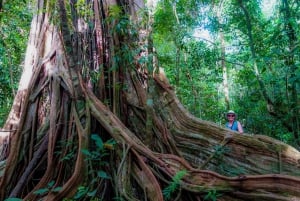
<point x="230" y="112"/>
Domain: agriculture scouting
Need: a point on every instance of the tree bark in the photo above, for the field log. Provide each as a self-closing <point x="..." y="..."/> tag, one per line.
<point x="65" y="111"/>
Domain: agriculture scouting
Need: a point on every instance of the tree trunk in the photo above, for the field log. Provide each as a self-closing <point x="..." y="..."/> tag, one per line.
<point x="86" y="87"/>
<point x="218" y="9"/>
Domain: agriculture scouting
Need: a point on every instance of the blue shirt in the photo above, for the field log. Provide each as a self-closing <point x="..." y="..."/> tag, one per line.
<point x="234" y="126"/>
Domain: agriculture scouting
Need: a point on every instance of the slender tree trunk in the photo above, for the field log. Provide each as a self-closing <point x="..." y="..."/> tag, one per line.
<point x="224" y="70"/>
<point x="195" y="93"/>
<point x="178" y="52"/>
<point x="1" y="4"/>
<point x="218" y="8"/>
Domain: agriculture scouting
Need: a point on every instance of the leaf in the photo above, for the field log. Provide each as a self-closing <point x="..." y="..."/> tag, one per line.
<point x="86" y="152"/>
<point x="167" y="193"/>
<point x="109" y="146"/>
<point x="94" y="180"/>
<point x="212" y="195"/>
<point x="41" y="191"/>
<point x="103" y="174"/>
<point x="51" y="183"/>
<point x="92" y="193"/>
<point x="13" y="199"/>
<point x="173" y="186"/>
<point x="150" y="102"/>
<point x="111" y="141"/>
<point x="179" y="175"/>
<point x="67" y="157"/>
<point x="82" y="190"/>
<point x="98" y="141"/>
<point x="57" y="189"/>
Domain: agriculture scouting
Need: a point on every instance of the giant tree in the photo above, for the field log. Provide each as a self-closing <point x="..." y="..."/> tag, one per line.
<point x="95" y="117"/>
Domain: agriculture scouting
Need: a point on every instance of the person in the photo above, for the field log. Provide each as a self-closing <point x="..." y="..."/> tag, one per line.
<point x="232" y="123"/>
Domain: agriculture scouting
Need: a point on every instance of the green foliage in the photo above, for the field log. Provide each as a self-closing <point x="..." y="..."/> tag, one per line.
<point x="220" y="151"/>
<point x="49" y="188"/>
<point x="68" y="145"/>
<point x="13" y="199"/>
<point x="99" y="152"/>
<point x="83" y="191"/>
<point x="212" y="195"/>
<point x="174" y="185"/>
<point x="84" y="9"/>
<point x="120" y="22"/>
<point x="120" y="25"/>
<point x="96" y="157"/>
<point x="90" y="199"/>
<point x="118" y="199"/>
<point x="14" y="28"/>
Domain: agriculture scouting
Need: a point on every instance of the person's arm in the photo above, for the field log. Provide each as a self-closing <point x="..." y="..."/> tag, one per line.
<point x="240" y="127"/>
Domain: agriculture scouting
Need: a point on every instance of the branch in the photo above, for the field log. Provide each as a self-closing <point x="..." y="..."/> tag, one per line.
<point x="30" y="167"/>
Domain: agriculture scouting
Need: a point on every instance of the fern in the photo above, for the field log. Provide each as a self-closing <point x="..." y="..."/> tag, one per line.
<point x="212" y="195"/>
<point x="174" y="185"/>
